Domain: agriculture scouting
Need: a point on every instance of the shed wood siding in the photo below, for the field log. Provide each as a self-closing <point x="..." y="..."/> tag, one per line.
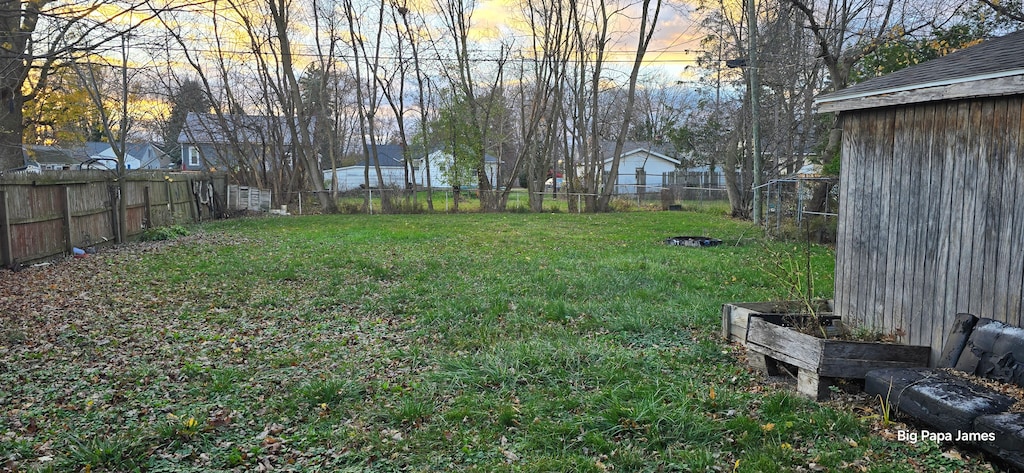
<point x="931" y="219"/>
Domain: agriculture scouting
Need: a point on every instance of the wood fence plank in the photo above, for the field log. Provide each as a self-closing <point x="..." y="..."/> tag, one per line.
<point x="880" y="176"/>
<point x="915" y="199"/>
<point x="149" y="207"/>
<point x="854" y="188"/>
<point x="69" y="244"/>
<point x="946" y="268"/>
<point x="991" y="292"/>
<point x="6" y="249"/>
<point x="922" y="169"/>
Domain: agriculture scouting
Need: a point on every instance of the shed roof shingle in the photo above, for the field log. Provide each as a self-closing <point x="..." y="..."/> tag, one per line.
<point x="996" y="57"/>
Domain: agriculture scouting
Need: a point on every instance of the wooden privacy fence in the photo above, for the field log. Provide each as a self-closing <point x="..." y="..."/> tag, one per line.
<point x="49" y="214"/>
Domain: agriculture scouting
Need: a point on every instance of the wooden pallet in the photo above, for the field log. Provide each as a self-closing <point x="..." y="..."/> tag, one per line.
<point x="820" y="361"/>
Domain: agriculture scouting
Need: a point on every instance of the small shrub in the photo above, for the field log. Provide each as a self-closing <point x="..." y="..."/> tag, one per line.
<point x="163" y="233"/>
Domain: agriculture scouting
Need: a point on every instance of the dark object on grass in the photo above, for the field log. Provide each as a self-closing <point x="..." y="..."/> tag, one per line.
<point x="692" y="241"/>
<point x="972" y="410"/>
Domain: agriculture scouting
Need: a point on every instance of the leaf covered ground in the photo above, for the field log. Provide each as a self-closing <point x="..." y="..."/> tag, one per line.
<point x="419" y="343"/>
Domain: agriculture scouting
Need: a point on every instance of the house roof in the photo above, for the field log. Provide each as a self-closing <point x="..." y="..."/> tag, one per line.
<point x="142" y="151"/>
<point x="648" y="152"/>
<point x="49" y="155"/>
<point x="608" y="147"/>
<point x="991" y="68"/>
<point x="208" y="128"/>
<point x="149" y="154"/>
<point x="488" y="158"/>
<point x="387" y="156"/>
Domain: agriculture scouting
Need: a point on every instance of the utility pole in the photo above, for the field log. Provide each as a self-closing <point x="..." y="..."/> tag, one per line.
<point x="755" y="105"/>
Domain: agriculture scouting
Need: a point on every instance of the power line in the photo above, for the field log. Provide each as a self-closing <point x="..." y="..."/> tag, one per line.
<point x="438" y="58"/>
<point x="240" y="48"/>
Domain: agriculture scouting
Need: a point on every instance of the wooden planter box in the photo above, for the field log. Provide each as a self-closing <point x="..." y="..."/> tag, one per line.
<point x="735" y="316"/>
<point x="818" y="361"/>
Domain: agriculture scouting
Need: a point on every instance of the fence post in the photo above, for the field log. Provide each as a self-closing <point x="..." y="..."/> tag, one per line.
<point x="193" y="202"/>
<point x="5" y="232"/>
<point x="69" y="246"/>
<point x="114" y="218"/>
<point x="170" y="200"/>
<point x="149" y="207"/>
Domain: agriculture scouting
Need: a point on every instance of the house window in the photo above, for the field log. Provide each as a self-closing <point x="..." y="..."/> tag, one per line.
<point x="193" y="156"/>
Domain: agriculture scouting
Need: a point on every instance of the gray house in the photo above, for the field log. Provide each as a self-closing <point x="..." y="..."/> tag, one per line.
<point x="225" y="142"/>
<point x="931" y="217"/>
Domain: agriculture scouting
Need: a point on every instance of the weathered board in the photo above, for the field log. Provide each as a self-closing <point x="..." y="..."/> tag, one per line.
<point x="930" y="222"/>
<point x="820" y="360"/>
<point x="47" y="214"/>
<point x="735" y="315"/>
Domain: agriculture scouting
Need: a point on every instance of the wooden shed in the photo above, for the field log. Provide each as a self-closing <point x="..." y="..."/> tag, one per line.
<point x="931" y="214"/>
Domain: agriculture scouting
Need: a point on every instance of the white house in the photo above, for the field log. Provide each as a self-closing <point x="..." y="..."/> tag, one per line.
<point x="101" y="156"/>
<point x="392" y="169"/>
<point x="439" y="161"/>
<point x="641" y="170"/>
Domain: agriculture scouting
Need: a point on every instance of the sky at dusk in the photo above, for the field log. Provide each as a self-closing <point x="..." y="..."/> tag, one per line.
<point x="674" y="47"/>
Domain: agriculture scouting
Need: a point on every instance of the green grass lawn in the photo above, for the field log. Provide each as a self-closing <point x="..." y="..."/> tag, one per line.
<point x="518" y="201"/>
<point x="476" y="342"/>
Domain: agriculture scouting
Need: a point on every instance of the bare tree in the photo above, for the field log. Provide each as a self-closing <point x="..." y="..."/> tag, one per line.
<point x="591" y="35"/>
<point x="39" y="34"/>
<point x="422" y="90"/>
<point x="1012" y="9"/>
<point x="726" y="39"/>
<point x="457" y="16"/>
<point x="116" y="124"/>
<point x="847" y="30"/>
<point x="324" y="82"/>
<point x="218" y="74"/>
<point x="367" y="93"/>
<point x="296" y="117"/>
<point x="541" y="94"/>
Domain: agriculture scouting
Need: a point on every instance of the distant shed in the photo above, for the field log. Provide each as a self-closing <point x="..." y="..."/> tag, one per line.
<point x="931" y="213"/>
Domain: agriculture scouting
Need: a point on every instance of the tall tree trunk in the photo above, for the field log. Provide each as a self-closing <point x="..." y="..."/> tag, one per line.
<point x="17" y="22"/>
<point x="738" y="199"/>
<point x="300" y="124"/>
<point x="648" y="22"/>
<point x="12" y="127"/>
